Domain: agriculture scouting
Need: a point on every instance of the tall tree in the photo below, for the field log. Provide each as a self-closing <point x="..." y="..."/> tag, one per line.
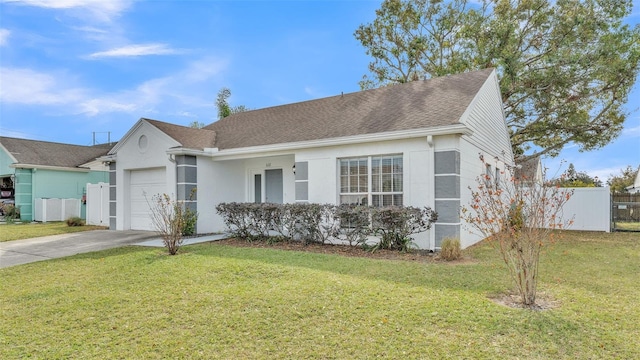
<point x="566" y="67"/>
<point x="619" y="183"/>
<point x="224" y="109"/>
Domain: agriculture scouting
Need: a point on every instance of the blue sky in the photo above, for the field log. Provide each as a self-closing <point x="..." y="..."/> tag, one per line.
<point x="69" y="68"/>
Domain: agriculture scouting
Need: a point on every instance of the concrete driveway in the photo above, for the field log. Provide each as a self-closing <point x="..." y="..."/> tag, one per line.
<point x="49" y="247"/>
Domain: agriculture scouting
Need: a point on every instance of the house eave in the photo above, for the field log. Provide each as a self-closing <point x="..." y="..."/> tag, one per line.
<point x="282" y="148"/>
<point x="192" y="152"/>
<point x="49" y="167"/>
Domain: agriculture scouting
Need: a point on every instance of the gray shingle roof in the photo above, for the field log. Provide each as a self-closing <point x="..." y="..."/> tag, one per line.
<point x="34" y="152"/>
<point x="527" y="171"/>
<point x="416" y="105"/>
<point x="188" y="137"/>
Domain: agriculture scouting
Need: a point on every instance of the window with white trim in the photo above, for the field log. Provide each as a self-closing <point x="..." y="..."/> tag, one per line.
<point x="372" y="180"/>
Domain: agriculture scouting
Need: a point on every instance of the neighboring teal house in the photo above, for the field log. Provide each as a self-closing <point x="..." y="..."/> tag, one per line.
<point x="31" y="169"/>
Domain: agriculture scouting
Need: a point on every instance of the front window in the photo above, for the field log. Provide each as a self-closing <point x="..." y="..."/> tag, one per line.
<point x="373" y="180"/>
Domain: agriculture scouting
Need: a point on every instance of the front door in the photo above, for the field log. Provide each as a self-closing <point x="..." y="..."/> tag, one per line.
<point x="273" y="186"/>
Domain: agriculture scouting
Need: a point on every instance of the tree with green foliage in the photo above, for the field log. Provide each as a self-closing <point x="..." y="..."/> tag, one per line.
<point x="566" y="67"/>
<point x="619" y="183"/>
<point x="224" y="109"/>
<point x="196" y="124"/>
<point x="573" y="178"/>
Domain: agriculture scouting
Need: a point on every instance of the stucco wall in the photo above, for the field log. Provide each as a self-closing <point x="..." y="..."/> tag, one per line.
<point x="136" y="153"/>
<point x="417" y="172"/>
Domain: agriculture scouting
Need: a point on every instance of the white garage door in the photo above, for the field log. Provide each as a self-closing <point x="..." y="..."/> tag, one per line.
<point x="144" y="185"/>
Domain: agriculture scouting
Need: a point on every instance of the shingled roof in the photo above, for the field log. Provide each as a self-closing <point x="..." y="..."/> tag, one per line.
<point x="436" y="102"/>
<point x="43" y="153"/>
<point x="188" y="137"/>
<point x="529" y="170"/>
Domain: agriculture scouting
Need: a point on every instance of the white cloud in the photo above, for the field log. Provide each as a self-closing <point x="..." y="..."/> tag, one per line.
<point x="18" y="134"/>
<point x="631" y="132"/>
<point x="180" y="92"/>
<point x="185" y="91"/>
<point x="26" y="86"/>
<point x="4" y="35"/>
<point x="103" y="10"/>
<point x="135" y="50"/>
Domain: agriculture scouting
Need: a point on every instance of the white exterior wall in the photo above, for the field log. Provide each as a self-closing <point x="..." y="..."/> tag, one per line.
<point x="218" y="181"/>
<point x="259" y="165"/>
<point x="232" y="181"/>
<point x="485" y="117"/>
<point x="417" y="172"/>
<point x="131" y="157"/>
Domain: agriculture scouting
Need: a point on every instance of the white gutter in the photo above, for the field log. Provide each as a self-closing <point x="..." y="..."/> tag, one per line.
<point x="48" y="167"/>
<point x="288" y="147"/>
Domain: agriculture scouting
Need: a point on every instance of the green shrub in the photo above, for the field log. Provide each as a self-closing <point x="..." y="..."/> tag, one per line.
<point x="189" y="221"/>
<point x="395" y="225"/>
<point x="450" y="249"/>
<point x="11" y="212"/>
<point x="324" y="223"/>
<point x="75" y="221"/>
<point x="354" y="223"/>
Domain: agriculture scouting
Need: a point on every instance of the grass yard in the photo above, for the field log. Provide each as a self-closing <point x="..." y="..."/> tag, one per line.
<point x="215" y="301"/>
<point x="10" y="232"/>
<point x="628" y="226"/>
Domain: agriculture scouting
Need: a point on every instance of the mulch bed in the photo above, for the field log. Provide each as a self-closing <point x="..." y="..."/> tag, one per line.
<point x="342" y="250"/>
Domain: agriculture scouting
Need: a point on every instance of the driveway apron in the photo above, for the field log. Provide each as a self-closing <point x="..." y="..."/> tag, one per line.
<point x="25" y="251"/>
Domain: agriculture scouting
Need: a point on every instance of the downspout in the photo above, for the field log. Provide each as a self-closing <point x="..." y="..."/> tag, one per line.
<point x="33" y="194"/>
<point x="432" y="189"/>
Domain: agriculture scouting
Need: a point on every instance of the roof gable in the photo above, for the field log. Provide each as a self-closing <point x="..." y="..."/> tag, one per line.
<point x="188" y="137"/>
<point x="43" y="153"/>
<point x="437" y="102"/>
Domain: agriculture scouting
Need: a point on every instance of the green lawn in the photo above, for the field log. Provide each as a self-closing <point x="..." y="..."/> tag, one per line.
<point x="628" y="226"/>
<point x="215" y="301"/>
<point x="10" y="232"/>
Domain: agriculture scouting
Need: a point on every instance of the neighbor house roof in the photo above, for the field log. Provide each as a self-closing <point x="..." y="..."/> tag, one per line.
<point x="437" y="102"/>
<point x="529" y="170"/>
<point x="43" y="153"/>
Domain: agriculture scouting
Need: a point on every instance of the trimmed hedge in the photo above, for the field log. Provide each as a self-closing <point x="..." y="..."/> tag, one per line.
<point x="326" y="223"/>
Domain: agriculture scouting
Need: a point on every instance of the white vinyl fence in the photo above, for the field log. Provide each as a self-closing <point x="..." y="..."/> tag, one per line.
<point x="590" y="209"/>
<point x="56" y="209"/>
<point x="98" y="204"/>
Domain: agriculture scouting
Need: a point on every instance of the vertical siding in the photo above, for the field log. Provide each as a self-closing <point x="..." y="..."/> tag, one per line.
<point x="590" y="209"/>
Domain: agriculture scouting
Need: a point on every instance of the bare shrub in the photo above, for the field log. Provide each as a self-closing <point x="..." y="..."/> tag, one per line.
<point x="169" y="218"/>
<point x="518" y="217"/>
